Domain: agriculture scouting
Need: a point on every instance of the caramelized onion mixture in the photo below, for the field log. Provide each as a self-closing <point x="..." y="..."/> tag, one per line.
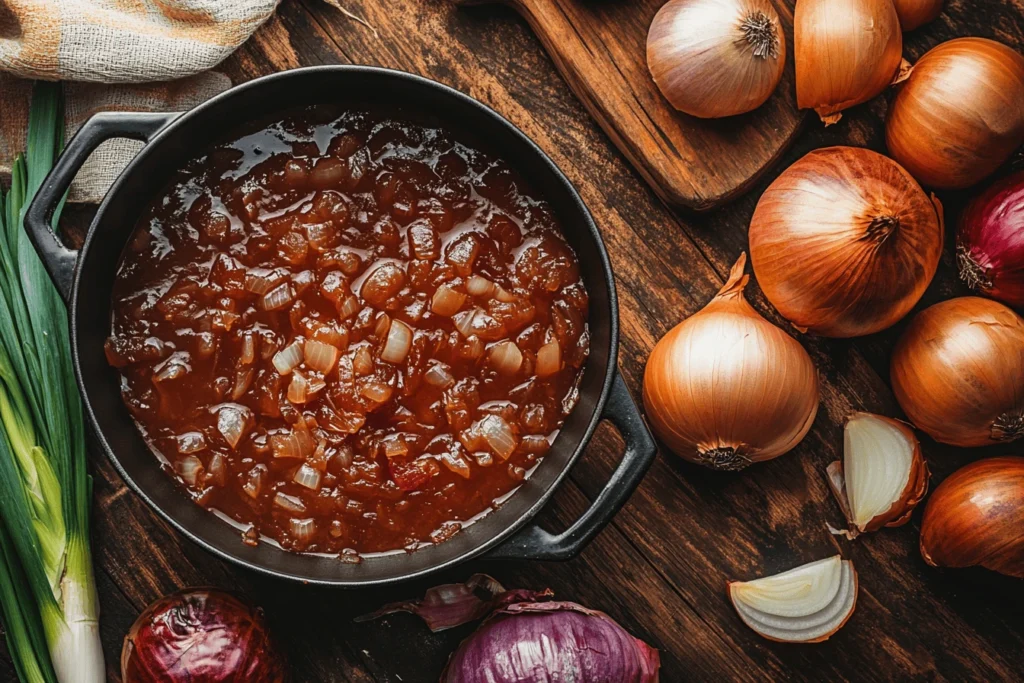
<point x="349" y="332"/>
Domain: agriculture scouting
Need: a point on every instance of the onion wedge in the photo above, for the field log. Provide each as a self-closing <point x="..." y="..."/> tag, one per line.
<point x="803" y="605"/>
<point x="883" y="475"/>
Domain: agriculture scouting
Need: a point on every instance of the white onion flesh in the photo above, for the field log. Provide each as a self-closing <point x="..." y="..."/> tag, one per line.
<point x="506" y="357"/>
<point x="302" y="529"/>
<point x="398" y="344"/>
<point x="439" y="375"/>
<point x="289" y="503"/>
<point x="295" y="444"/>
<point x="479" y="286"/>
<point x="231" y="423"/>
<point x="191" y="442"/>
<point x="320" y="356"/>
<point x="802" y="605"/>
<point x="447" y="301"/>
<point x="877" y="459"/>
<point x="190" y="470"/>
<point x="307" y="477"/>
<point x="242" y="382"/>
<point x="464" y="321"/>
<point x="288" y="358"/>
<point x="278" y="297"/>
<point x="498" y="435"/>
<point x="549" y="359"/>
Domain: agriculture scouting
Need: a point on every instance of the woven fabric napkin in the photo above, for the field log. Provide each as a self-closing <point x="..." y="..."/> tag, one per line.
<point x="156" y="53"/>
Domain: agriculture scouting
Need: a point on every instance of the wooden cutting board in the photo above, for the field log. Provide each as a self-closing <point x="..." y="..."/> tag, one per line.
<point x="600" y="48"/>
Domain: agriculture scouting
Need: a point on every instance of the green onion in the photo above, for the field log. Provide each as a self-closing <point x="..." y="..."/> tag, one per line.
<point x="47" y="591"/>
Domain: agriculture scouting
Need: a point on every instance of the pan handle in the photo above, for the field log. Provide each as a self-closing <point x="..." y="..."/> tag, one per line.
<point x="58" y="259"/>
<point x="534" y="543"/>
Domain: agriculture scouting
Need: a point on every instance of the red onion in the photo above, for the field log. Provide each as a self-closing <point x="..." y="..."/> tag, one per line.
<point x="526" y="641"/>
<point x="990" y="242"/>
<point x="200" y="635"/>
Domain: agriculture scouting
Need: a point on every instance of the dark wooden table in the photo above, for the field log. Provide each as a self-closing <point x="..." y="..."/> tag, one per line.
<point x="660" y="568"/>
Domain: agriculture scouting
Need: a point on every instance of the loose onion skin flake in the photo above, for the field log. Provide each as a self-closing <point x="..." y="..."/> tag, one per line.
<point x="883" y="474"/>
<point x="715" y="58"/>
<point x="844" y="242"/>
<point x="958" y="372"/>
<point x="807" y="604"/>
<point x="960" y="114"/>
<point x="846" y="52"/>
<point x="725" y="388"/>
<point x="976" y="516"/>
<point x="378" y="334"/>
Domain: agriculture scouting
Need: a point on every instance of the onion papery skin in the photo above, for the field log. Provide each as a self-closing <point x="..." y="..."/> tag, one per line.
<point x="990" y="242"/>
<point x="915" y="13"/>
<point x="726" y="388"/>
<point x="847" y="51"/>
<point x="913" y="492"/>
<point x="715" y="58"/>
<point x="540" y="642"/>
<point x="845" y="242"/>
<point x="200" y="635"/>
<point x="958" y="372"/>
<point x="960" y="114"/>
<point x="976" y="517"/>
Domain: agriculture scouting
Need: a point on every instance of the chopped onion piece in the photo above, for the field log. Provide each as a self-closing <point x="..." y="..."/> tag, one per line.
<point x="498" y="435"/>
<point x="248" y="349"/>
<point x="464" y="321"/>
<point x="506" y="357"/>
<point x="883" y="475"/>
<point x="308" y="477"/>
<point x="362" y="361"/>
<point x="259" y="281"/>
<point x="549" y="359"/>
<point x="289" y="503"/>
<point x="503" y="295"/>
<point x="382" y="326"/>
<point x="479" y="286"/>
<point x="439" y="375"/>
<point x="298" y="388"/>
<point x="349" y="307"/>
<point x="803" y="605"/>
<point x="295" y="444"/>
<point x="472" y="349"/>
<point x="302" y="530"/>
<point x="288" y="358"/>
<point x="278" y="297"/>
<point x="320" y="356"/>
<point x="395" y="446"/>
<point x="217" y="472"/>
<point x="378" y="392"/>
<point x="232" y="421"/>
<point x="243" y="380"/>
<point x="447" y="301"/>
<point x="191" y="442"/>
<point x="254" y="480"/>
<point x="175" y="367"/>
<point x="190" y="469"/>
<point x="342" y="422"/>
<point x="398" y="344"/>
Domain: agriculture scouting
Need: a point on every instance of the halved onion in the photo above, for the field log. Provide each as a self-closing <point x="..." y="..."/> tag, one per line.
<point x="232" y="421"/>
<point x="288" y="358"/>
<point x="320" y="355"/>
<point x="506" y="357"/>
<point x="447" y="301"/>
<point x="883" y="475"/>
<point x="549" y="359"/>
<point x="398" y="344"/>
<point x="803" y="605"/>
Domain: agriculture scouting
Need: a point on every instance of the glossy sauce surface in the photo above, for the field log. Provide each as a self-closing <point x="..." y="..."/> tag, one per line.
<point x="349" y="332"/>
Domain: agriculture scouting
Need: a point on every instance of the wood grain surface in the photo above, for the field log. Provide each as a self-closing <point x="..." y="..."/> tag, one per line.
<point x="600" y="49"/>
<point x="660" y="568"/>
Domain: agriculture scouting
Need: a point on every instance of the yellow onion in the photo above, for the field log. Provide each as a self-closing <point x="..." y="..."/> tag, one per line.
<point x="847" y="51"/>
<point x="714" y="58"/>
<point x="845" y="242"/>
<point x="914" y="13"/>
<point x="960" y="114"/>
<point x="882" y="476"/>
<point x="976" y="518"/>
<point x="958" y="372"/>
<point x="725" y="388"/>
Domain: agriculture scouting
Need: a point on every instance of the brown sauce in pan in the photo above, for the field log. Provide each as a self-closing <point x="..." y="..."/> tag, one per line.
<point x="349" y="332"/>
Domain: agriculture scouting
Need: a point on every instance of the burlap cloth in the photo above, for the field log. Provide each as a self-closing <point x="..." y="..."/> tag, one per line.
<point x="138" y="55"/>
